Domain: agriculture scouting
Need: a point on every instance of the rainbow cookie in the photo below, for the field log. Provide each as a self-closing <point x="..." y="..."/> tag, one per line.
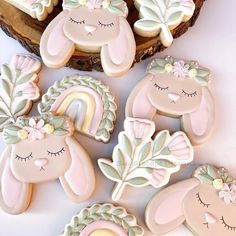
<point x="178" y="89"/>
<point x="38" y="9"/>
<point x="160" y="17"/>
<point x="138" y="160"/>
<point x="103" y="220"/>
<point x="206" y="204"/>
<point x="87" y="101"/>
<point x="42" y="149"/>
<point x="18" y="86"/>
<point x="95" y="26"/>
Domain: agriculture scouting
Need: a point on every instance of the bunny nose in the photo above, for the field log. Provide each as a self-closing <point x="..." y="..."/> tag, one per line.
<point x="90" y="28"/>
<point x="210" y="218"/>
<point x="174" y="96"/>
<point x="41" y="162"/>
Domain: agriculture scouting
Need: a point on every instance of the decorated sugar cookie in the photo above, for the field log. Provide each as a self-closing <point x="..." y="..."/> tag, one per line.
<point x="160" y="17"/>
<point x="138" y="160"/>
<point x="179" y="89"/>
<point x="98" y="26"/>
<point x="103" y="220"/>
<point x="18" y="86"/>
<point x="42" y="149"/>
<point x="205" y="203"/>
<point x="87" y="101"/>
<point x="38" y="9"/>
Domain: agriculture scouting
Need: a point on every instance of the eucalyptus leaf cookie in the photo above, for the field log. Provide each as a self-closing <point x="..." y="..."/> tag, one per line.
<point x="160" y="17"/>
<point x="179" y="89"/>
<point x="18" y="86"/>
<point x="91" y="26"/>
<point x="41" y="149"/>
<point x="138" y="160"/>
<point x="103" y="220"/>
<point x="204" y="203"/>
<point x="87" y="101"/>
<point x="38" y="9"/>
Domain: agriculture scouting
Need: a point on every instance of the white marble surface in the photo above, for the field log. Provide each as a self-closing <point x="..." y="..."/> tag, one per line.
<point x="212" y="41"/>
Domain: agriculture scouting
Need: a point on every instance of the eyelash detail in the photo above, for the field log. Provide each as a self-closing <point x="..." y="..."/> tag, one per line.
<point x="189" y="94"/>
<point x="55" y="154"/>
<point x="159" y="87"/>
<point x="24" y="158"/>
<point x="201" y="202"/>
<point x="105" y="25"/>
<point x="77" y="22"/>
<point x="226" y="225"/>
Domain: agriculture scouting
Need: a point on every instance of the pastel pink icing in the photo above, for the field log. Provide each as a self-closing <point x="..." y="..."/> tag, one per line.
<point x="102" y="224"/>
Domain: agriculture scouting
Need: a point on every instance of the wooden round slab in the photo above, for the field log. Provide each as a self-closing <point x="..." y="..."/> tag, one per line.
<point x="28" y="31"/>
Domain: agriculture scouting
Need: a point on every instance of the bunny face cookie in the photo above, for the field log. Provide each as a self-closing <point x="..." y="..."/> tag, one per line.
<point x="177" y="89"/>
<point x="42" y="149"/>
<point x="206" y="203"/>
<point x="91" y="26"/>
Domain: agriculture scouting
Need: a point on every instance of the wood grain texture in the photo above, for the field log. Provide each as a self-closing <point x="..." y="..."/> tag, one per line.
<point x="28" y="31"/>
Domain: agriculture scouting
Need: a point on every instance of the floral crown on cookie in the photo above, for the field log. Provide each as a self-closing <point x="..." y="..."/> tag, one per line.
<point x="36" y="128"/>
<point x="180" y="69"/>
<point x="220" y="180"/>
<point x="118" y="7"/>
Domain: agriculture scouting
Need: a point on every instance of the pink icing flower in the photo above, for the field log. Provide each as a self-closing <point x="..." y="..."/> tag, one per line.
<point x="25" y="64"/>
<point x="157" y="177"/>
<point x="35" y="129"/>
<point x="228" y="193"/>
<point x="94" y="4"/>
<point x="30" y="91"/>
<point x="140" y="129"/>
<point x="180" y="69"/>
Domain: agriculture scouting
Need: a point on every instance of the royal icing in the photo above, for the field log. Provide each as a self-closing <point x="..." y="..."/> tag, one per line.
<point x="87" y="101"/>
<point x="18" y="86"/>
<point x="103" y="220"/>
<point x="160" y="17"/>
<point x="138" y="160"/>
<point x="176" y="88"/>
<point x="42" y="149"/>
<point x="91" y="26"/>
<point x="38" y="9"/>
<point x="205" y="203"/>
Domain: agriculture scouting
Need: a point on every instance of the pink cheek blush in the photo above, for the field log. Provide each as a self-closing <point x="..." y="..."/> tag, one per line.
<point x="98" y="228"/>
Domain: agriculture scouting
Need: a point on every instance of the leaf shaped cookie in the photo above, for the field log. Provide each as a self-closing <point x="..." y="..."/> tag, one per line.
<point x="138" y="160"/>
<point x="162" y="16"/>
<point x="18" y="88"/>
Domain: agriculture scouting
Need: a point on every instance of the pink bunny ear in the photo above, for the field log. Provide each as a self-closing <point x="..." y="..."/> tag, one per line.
<point x="55" y="48"/>
<point x="198" y="124"/>
<point x="79" y="181"/>
<point x="138" y="104"/>
<point x="117" y="57"/>
<point x="164" y="212"/>
<point x="14" y="195"/>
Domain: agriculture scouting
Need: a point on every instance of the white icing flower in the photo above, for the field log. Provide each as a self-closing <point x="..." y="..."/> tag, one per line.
<point x="168" y="67"/>
<point x="106" y="3"/>
<point x="22" y="134"/>
<point x="49" y="129"/>
<point x="180" y="69"/>
<point x="192" y="73"/>
<point x="94" y="4"/>
<point x="218" y="184"/>
<point x="228" y="193"/>
<point x="35" y="129"/>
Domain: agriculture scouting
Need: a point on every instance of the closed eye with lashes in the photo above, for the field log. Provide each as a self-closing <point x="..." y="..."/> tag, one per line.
<point x="105" y="25"/>
<point x="160" y="88"/>
<point x="226" y="225"/>
<point x="27" y="158"/>
<point x="55" y="154"/>
<point x="77" y="22"/>
<point x="189" y="94"/>
<point x="201" y="202"/>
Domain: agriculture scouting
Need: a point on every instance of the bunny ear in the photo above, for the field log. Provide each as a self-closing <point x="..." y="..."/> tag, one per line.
<point x="117" y="57"/>
<point x="164" y="212"/>
<point x="79" y="181"/>
<point x="14" y="195"/>
<point x="138" y="104"/>
<point x="55" y="48"/>
<point x="198" y="124"/>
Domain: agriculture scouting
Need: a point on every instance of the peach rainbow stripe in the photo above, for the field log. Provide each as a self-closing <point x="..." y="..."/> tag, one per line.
<point x="92" y="102"/>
